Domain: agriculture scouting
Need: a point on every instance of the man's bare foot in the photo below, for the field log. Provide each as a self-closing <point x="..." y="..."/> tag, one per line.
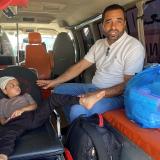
<point x="3" y="157"/>
<point x="90" y="100"/>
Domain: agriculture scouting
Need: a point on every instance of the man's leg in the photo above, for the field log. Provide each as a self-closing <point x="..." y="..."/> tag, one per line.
<point x="74" y="89"/>
<point x="101" y="106"/>
<point x="76" y="111"/>
<point x="107" y="104"/>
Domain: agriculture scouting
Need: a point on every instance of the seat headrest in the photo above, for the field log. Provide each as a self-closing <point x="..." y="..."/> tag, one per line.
<point x="34" y="38"/>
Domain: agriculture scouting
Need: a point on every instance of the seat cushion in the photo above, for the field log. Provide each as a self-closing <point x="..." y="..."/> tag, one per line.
<point x="38" y="143"/>
<point x="147" y="139"/>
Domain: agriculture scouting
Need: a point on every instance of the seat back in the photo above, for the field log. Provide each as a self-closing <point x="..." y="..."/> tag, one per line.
<point x="37" y="57"/>
<point x="64" y="53"/>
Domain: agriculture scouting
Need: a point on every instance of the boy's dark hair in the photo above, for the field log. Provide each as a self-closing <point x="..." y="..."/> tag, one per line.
<point x="112" y="7"/>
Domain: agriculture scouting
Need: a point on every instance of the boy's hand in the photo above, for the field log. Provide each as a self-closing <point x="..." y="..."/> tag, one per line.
<point x="3" y="121"/>
<point x="17" y="113"/>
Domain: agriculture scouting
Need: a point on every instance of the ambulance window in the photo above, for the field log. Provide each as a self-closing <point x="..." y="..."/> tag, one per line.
<point x="152" y="31"/>
<point x="87" y="38"/>
<point x="102" y="35"/>
<point x="131" y="15"/>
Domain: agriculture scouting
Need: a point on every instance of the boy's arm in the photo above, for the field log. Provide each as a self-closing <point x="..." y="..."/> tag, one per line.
<point x="18" y="112"/>
<point x="29" y="107"/>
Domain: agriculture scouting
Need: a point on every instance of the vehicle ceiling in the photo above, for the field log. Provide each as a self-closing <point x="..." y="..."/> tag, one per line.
<point x="49" y="13"/>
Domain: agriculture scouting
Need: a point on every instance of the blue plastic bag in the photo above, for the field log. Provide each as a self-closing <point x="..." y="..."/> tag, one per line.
<point x="142" y="98"/>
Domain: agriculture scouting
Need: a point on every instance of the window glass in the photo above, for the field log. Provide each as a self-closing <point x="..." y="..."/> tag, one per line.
<point x="152" y="31"/>
<point x="131" y="16"/>
<point x="47" y="39"/>
<point x="8" y="43"/>
<point x="87" y="38"/>
<point x="8" y="47"/>
<point x="102" y="35"/>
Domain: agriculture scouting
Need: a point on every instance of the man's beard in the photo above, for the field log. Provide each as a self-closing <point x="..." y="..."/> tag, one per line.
<point x="115" y="37"/>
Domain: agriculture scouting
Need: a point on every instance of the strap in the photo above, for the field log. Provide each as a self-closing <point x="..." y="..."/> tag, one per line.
<point x="101" y="120"/>
<point x="96" y="139"/>
<point x="68" y="155"/>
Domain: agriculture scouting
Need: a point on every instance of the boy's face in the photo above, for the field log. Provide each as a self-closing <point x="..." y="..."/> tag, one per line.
<point x="12" y="88"/>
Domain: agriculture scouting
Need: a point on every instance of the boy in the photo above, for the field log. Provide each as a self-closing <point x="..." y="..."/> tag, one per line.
<point x="18" y="113"/>
<point x="15" y="104"/>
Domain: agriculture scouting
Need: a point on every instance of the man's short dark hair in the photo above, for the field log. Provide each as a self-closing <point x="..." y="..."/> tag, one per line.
<point x="112" y="7"/>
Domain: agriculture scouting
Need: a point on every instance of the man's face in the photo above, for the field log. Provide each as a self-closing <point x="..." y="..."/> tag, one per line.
<point x="114" y="25"/>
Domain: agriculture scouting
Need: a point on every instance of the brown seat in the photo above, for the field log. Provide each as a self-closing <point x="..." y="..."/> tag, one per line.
<point x="37" y="56"/>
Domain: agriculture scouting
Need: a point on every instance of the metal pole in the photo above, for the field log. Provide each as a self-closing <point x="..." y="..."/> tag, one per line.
<point x="17" y="44"/>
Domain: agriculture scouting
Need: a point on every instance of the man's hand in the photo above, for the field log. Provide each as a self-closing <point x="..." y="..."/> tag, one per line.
<point x="45" y="84"/>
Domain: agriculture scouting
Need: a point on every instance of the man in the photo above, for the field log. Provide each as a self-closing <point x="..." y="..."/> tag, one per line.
<point x="118" y="57"/>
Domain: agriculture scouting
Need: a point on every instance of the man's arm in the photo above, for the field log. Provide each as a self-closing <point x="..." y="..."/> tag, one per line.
<point x="71" y="73"/>
<point x="115" y="90"/>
